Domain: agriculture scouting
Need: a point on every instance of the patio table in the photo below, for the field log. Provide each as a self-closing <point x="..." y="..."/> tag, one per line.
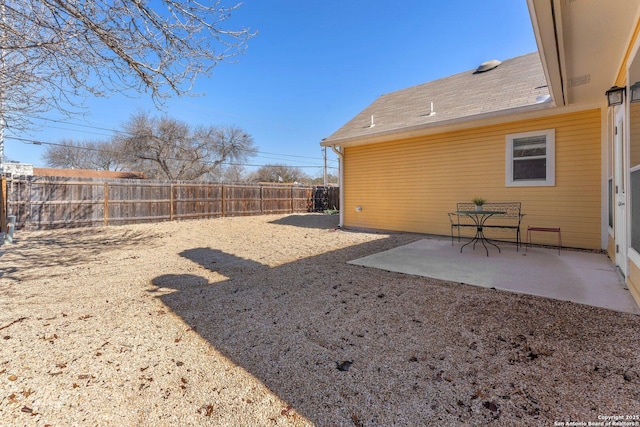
<point x="479" y="218"/>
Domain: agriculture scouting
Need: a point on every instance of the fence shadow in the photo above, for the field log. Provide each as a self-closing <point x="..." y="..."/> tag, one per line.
<point x="320" y="221"/>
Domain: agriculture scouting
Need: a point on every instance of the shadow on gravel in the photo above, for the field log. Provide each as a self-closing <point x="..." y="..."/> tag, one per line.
<point x="321" y="221"/>
<point x="38" y="250"/>
<point x="359" y="346"/>
<point x="305" y="339"/>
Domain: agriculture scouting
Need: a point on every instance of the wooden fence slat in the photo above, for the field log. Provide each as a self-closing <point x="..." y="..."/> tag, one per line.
<point x="106" y="203"/>
<point x="47" y="202"/>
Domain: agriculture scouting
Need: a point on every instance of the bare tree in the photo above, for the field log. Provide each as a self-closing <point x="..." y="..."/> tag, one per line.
<point x="97" y="155"/>
<point x="53" y="52"/>
<point x="331" y="179"/>
<point x="169" y="148"/>
<point x="279" y="173"/>
<point x="234" y="173"/>
<point x="227" y="173"/>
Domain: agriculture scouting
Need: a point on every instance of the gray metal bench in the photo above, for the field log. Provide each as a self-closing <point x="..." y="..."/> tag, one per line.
<point x="509" y="218"/>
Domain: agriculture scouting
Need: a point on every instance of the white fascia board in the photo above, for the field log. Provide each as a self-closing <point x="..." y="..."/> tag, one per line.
<point x="494" y="118"/>
<point x="546" y="31"/>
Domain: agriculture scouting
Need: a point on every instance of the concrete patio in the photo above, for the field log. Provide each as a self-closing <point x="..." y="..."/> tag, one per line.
<point x="578" y="276"/>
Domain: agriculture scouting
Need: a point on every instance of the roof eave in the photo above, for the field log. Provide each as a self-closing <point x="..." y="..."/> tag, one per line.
<point x="438" y="127"/>
<point x="547" y="28"/>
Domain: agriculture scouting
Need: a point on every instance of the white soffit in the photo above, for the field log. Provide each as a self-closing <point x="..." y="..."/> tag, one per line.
<point x="582" y="44"/>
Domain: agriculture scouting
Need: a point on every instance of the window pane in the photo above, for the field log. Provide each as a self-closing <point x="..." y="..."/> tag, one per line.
<point x="529" y="169"/>
<point x="530" y="159"/>
<point x="611" y="202"/>
<point x="531" y="146"/>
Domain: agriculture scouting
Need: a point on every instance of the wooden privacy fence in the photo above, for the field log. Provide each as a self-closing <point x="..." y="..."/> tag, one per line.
<point x="50" y="202"/>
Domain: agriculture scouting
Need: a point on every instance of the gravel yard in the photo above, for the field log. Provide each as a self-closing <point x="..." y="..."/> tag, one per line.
<point x="260" y="321"/>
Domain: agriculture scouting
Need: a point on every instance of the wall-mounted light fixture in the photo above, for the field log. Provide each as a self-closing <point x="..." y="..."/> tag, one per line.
<point x="615" y="95"/>
<point x="634" y="90"/>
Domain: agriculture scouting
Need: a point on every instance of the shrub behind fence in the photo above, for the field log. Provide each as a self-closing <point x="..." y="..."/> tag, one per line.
<point x="54" y="202"/>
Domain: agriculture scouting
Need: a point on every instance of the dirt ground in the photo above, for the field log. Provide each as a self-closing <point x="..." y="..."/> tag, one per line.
<point x="260" y="321"/>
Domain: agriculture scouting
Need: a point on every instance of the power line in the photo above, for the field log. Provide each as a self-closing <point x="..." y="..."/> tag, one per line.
<point x="130" y="134"/>
<point x="36" y="142"/>
<point x="75" y="130"/>
<point x="81" y="125"/>
<point x="275" y="158"/>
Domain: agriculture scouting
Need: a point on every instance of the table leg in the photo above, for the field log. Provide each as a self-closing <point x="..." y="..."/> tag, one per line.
<point x="479" y="237"/>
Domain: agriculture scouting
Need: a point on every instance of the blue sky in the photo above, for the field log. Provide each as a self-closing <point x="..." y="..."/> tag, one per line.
<point x="312" y="67"/>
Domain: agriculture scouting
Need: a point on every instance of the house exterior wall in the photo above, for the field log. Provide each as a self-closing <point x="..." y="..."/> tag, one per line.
<point x="633" y="139"/>
<point x="633" y="281"/>
<point x="410" y="185"/>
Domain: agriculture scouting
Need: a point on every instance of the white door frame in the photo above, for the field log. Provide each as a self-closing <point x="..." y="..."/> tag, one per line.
<point x="620" y="170"/>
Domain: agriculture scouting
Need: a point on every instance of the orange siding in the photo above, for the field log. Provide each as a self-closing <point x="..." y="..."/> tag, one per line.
<point x="633" y="281"/>
<point x="611" y="248"/>
<point x="410" y="185"/>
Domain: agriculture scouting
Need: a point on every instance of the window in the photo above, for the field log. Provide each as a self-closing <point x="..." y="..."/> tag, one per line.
<point x="531" y="159"/>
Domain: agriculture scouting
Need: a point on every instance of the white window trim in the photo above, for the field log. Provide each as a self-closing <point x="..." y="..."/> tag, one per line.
<point x="550" y="181"/>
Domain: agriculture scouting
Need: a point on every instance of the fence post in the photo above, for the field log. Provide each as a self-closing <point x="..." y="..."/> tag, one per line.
<point x="261" y="198"/>
<point x="222" y="201"/>
<point x="106" y="203"/>
<point x="171" y="202"/>
<point x="291" y="198"/>
<point x="28" y="204"/>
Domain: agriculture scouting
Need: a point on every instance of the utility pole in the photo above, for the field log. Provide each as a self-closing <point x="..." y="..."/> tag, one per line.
<point x="324" y="175"/>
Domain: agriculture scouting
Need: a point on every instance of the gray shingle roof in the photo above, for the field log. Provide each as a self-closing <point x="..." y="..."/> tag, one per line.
<point x="515" y="83"/>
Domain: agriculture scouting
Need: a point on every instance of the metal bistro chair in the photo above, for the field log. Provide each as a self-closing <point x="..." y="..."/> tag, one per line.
<point x="458" y="221"/>
<point x="545" y="229"/>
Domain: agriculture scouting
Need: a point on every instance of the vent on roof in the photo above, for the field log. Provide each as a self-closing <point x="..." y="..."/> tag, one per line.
<point x="431" y="111"/>
<point x="582" y="80"/>
<point x="487" y="66"/>
<point x="372" y="123"/>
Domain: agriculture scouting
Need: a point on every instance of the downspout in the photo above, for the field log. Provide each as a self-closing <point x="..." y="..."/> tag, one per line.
<point x="340" y="155"/>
